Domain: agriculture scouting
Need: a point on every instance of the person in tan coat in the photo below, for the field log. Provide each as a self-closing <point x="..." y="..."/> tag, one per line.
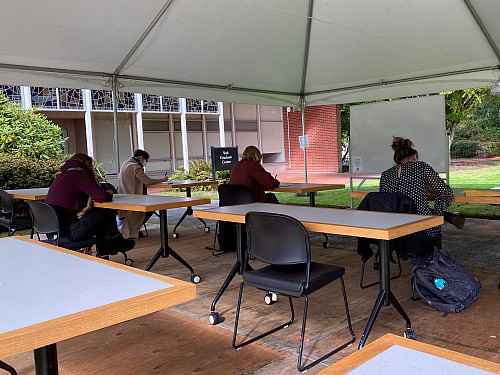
<point x="133" y="180"/>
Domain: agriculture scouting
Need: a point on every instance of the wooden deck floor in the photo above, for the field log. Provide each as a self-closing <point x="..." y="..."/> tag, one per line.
<point x="181" y="341"/>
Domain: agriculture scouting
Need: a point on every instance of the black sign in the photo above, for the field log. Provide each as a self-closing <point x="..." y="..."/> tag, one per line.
<point x="223" y="158"/>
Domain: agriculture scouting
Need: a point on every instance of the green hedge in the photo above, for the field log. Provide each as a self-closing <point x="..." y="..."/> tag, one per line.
<point x="464" y="148"/>
<point x="19" y="172"/>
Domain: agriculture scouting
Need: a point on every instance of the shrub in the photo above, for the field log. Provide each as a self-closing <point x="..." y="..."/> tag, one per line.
<point x="463" y="148"/>
<point x="28" y="133"/>
<point x="200" y="170"/>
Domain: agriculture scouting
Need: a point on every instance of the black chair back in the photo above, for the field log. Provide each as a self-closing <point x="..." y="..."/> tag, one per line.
<point x="233" y="194"/>
<point x="277" y="239"/>
<point x="7" y="204"/>
<point x="108" y="186"/>
<point x="44" y="217"/>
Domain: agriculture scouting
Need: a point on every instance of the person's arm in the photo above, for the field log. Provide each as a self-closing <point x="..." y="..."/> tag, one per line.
<point x="88" y="185"/>
<point x="264" y="178"/>
<point x="145" y="179"/>
<point x="442" y="190"/>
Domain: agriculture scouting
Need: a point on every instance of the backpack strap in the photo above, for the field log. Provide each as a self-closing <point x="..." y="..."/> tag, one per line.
<point x="425" y="292"/>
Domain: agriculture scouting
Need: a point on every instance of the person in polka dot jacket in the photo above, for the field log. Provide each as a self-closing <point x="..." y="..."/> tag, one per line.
<point x="415" y="179"/>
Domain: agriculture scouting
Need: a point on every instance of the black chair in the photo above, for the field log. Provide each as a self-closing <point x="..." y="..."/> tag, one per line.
<point x="45" y="221"/>
<point x="7" y="218"/>
<point x="8" y="368"/>
<point x="229" y="195"/>
<point x="282" y="243"/>
<point x="109" y="186"/>
<point x="412" y="246"/>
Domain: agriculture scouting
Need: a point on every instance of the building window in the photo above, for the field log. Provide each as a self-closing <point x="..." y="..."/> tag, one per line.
<point x="210" y="106"/>
<point x="158" y="103"/>
<point x="44" y="97"/>
<point x="13" y="93"/>
<point x="201" y="106"/>
<point x="70" y="98"/>
<point x="102" y="100"/>
<point x="194" y="105"/>
<point x="126" y="101"/>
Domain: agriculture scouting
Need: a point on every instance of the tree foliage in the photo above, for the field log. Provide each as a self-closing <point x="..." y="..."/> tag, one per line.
<point x="28" y="133"/>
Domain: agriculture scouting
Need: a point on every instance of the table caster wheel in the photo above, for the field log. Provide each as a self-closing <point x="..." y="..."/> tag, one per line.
<point x="195" y="279"/>
<point x="409" y="334"/>
<point x="129" y="262"/>
<point x="175" y="235"/>
<point x="207" y="230"/>
<point x="326" y="244"/>
<point x="214" y="318"/>
<point x="270" y="298"/>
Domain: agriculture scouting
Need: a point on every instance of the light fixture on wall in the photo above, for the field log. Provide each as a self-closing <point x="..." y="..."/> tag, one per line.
<point x="495" y="89"/>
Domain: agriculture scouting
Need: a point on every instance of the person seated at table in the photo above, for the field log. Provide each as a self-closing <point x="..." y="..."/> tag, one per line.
<point x="248" y="171"/>
<point x="415" y="179"/>
<point x="133" y="180"/>
<point x="71" y="195"/>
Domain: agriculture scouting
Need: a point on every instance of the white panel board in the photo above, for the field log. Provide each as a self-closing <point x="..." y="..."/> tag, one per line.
<point x="420" y="119"/>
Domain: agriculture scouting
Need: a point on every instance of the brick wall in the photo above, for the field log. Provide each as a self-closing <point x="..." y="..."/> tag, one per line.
<point x="324" y="141"/>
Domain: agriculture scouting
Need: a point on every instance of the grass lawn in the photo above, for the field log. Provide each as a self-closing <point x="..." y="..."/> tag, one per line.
<point x="479" y="178"/>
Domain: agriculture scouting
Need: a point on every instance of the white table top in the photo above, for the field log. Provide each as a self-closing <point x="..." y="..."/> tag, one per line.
<point x="371" y="224"/>
<point x="43" y="287"/>
<point x="33" y="193"/>
<point x="145" y="203"/>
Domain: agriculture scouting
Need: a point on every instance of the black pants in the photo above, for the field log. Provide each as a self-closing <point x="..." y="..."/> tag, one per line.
<point x="99" y="222"/>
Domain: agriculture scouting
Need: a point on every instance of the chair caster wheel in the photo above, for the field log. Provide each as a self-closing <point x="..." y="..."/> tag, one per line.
<point x="129" y="262"/>
<point x="409" y="334"/>
<point x="207" y="230"/>
<point x="376" y="266"/>
<point x="326" y="244"/>
<point x="270" y="298"/>
<point x="214" y="318"/>
<point x="175" y="235"/>
<point x="195" y="279"/>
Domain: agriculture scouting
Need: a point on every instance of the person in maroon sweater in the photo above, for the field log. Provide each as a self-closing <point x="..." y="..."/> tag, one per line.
<point x="248" y="171"/>
<point x="71" y="193"/>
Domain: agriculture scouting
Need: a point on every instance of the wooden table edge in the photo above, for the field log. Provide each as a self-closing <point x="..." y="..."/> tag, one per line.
<point x="55" y="330"/>
<point x="356" y="359"/>
<point x="153" y="206"/>
<point x="382" y="234"/>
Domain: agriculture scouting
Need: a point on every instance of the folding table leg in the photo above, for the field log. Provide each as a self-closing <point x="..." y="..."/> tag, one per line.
<point x="46" y="360"/>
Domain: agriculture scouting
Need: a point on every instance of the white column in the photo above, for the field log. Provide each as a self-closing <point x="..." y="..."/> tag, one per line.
<point x="185" y="151"/>
<point x="173" y="165"/>
<point x="222" y="136"/>
<point x="140" y="131"/>
<point x="233" y="126"/>
<point x="87" y="105"/>
<point x="26" y="97"/>
<point x="259" y="129"/>
<point x="206" y="153"/>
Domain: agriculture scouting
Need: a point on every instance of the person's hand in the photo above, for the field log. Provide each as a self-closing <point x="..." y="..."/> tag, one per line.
<point x="164" y="179"/>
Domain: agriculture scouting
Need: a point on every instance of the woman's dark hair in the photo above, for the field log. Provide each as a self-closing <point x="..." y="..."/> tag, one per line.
<point x="86" y="161"/>
<point x="142" y="153"/>
<point x="403" y="148"/>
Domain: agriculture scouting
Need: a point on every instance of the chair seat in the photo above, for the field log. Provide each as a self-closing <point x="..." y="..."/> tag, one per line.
<point x="290" y="279"/>
<point x="21" y="222"/>
<point x="71" y="245"/>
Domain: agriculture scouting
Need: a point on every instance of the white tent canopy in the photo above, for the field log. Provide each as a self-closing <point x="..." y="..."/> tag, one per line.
<point x="274" y="52"/>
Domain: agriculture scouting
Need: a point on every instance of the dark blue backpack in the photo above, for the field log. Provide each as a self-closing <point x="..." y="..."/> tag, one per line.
<point x="443" y="283"/>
